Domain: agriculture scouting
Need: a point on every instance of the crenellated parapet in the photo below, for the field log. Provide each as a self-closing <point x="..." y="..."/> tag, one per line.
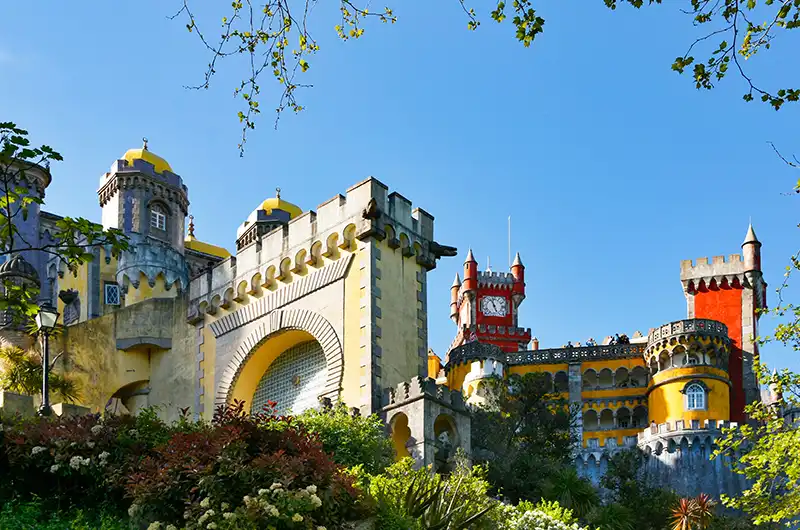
<point x="314" y="242"/>
<point x="670" y="435"/>
<point x="472" y="352"/>
<point x="732" y="272"/>
<point x="141" y="175"/>
<point x="690" y="342"/>
<point x="497" y="280"/>
<point x="152" y="258"/>
<point x="576" y="354"/>
<point x="423" y="388"/>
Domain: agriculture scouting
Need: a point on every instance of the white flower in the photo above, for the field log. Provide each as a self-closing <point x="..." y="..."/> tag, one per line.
<point x="247" y="500"/>
<point x="133" y="432"/>
<point x="211" y="526"/>
<point x="154" y="526"/>
<point x="75" y="462"/>
<point x="224" y="506"/>
<point x="202" y="519"/>
<point x="274" y="512"/>
<point x="321" y="528"/>
<point x="210" y="513"/>
<point x="205" y="502"/>
<point x="54" y="468"/>
<point x="97" y="429"/>
<point x="171" y="527"/>
<point x="103" y="456"/>
<point x="229" y="516"/>
<point x="276" y="486"/>
<point x="90" y="445"/>
<point x="311" y="489"/>
<point x="38" y="449"/>
<point x="316" y="501"/>
<point x="297" y="518"/>
<point x="262" y="491"/>
<point x="133" y="510"/>
<point x="85" y="461"/>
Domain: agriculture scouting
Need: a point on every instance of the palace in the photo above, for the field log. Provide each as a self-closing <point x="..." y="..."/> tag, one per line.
<point x="331" y="304"/>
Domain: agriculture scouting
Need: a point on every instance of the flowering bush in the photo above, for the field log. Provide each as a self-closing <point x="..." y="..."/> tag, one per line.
<point x="239" y="456"/>
<point x="523" y="518"/>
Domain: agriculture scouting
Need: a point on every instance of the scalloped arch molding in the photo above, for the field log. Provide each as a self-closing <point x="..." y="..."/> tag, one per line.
<point x="282" y="320"/>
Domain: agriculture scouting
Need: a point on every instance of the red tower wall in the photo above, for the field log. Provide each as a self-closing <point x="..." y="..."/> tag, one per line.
<point x="725" y="305"/>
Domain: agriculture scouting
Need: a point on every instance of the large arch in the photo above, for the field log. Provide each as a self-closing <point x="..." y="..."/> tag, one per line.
<point x="278" y="332"/>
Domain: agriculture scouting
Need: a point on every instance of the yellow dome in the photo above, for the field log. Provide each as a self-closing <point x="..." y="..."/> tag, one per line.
<point x="143" y="153"/>
<point x="206" y="248"/>
<point x="276" y="203"/>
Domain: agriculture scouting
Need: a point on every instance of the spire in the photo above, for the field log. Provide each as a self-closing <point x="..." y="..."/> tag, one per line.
<point x="517" y="260"/>
<point x="456" y="282"/>
<point x="470" y="257"/>
<point x="751" y="236"/>
<point x="191" y="226"/>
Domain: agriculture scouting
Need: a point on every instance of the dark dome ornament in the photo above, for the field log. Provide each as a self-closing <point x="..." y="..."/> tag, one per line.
<point x="18" y="268"/>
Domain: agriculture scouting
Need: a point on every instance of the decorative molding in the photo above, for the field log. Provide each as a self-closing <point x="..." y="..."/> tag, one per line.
<point x="699" y="326"/>
<point x="298" y="319"/>
<point x="282" y="297"/>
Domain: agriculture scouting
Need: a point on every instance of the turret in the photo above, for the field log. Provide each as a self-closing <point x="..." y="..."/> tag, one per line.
<point x="751" y="251"/>
<point x="454" y="299"/>
<point x="518" y="271"/>
<point x="470" y="272"/>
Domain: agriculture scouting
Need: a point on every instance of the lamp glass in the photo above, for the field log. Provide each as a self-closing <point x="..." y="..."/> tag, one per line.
<point x="47" y="317"/>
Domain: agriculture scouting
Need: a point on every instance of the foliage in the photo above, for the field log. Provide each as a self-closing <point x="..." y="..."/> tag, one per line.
<point x="408" y="498"/>
<point x="613" y="516"/>
<point x="571" y="491"/>
<point x="527" y="517"/>
<point x="29" y="515"/>
<point x="73" y="239"/>
<point x="649" y="506"/>
<point x="351" y="439"/>
<point x="523" y="434"/>
<point x="235" y="456"/>
<point x="552" y="509"/>
<point x="265" y="33"/>
<point x="21" y="372"/>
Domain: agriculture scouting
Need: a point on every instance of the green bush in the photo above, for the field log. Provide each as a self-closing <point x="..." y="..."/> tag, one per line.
<point x="352" y="439"/>
<point x="32" y="515"/>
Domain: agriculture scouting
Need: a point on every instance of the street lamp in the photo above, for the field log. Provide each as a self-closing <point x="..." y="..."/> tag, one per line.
<point x="46" y="322"/>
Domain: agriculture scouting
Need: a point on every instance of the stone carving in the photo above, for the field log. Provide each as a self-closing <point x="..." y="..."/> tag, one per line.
<point x="442" y="250"/>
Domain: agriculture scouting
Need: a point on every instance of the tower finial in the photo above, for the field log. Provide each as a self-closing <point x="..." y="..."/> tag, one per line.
<point x="191" y="226"/>
<point x="470" y="257"/>
<point x="517" y="260"/>
<point x="144" y="141"/>
<point x="751" y="235"/>
<point x="278" y="193"/>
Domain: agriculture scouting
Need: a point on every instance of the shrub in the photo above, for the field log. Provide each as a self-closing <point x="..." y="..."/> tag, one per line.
<point x="233" y="457"/>
<point x="571" y="491"/>
<point x="28" y="515"/>
<point x="522" y="517"/>
<point x="352" y="439"/>
<point x="613" y="516"/>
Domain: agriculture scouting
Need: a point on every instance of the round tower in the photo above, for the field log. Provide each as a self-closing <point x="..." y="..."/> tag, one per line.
<point x="689" y="381"/>
<point x="454" y="289"/>
<point x="470" y="273"/>
<point x="751" y="251"/>
<point x="16" y="272"/>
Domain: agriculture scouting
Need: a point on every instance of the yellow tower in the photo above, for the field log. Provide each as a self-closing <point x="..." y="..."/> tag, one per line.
<point x="689" y="382"/>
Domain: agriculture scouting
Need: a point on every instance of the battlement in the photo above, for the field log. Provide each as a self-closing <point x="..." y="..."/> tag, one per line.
<point x="368" y="210"/>
<point x="423" y="388"/>
<point x="496" y="279"/>
<point x="142" y="175"/>
<point x="576" y="354"/>
<point x="152" y="258"/>
<point x="671" y="434"/>
<point x="692" y="326"/>
<point x="719" y="266"/>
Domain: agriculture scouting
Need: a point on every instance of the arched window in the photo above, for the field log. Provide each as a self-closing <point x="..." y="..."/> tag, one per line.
<point x="691" y="359"/>
<point x="158" y="217"/>
<point x="695" y="397"/>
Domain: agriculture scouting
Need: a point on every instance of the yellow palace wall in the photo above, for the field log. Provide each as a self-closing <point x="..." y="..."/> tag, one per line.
<point x="667" y="403"/>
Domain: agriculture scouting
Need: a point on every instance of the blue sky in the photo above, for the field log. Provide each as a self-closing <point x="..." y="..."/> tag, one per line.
<point x="612" y="167"/>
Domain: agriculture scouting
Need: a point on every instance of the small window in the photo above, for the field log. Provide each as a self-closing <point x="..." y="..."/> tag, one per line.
<point x="695" y="397"/>
<point x="158" y="218"/>
<point x="692" y="359"/>
<point x="112" y="294"/>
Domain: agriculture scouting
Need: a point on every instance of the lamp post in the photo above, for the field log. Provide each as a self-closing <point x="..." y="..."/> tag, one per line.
<point x="46" y="322"/>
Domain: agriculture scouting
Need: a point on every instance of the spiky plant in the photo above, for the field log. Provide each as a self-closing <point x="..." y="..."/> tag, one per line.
<point x="21" y="372"/>
<point x="571" y="491"/>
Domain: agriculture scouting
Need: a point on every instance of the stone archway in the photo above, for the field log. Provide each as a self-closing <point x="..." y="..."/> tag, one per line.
<point x="286" y="328"/>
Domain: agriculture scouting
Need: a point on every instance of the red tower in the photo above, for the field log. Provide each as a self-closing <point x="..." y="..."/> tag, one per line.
<point x="485" y="306"/>
<point x="733" y="292"/>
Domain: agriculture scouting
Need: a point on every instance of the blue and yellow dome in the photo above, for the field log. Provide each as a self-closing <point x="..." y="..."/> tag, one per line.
<point x="276" y="203"/>
<point x="159" y="164"/>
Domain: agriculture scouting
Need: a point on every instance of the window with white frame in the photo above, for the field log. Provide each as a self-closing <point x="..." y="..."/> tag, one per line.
<point x="695" y="397"/>
<point x="158" y="217"/>
<point x="112" y="295"/>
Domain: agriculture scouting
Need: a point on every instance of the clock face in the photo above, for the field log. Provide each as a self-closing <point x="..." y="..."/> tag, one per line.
<point x="494" y="306"/>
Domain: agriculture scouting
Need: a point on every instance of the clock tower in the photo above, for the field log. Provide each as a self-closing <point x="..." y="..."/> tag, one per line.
<point x="485" y="306"/>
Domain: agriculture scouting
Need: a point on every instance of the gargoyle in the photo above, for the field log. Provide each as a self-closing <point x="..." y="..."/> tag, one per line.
<point x="371" y="211"/>
<point x="442" y="250"/>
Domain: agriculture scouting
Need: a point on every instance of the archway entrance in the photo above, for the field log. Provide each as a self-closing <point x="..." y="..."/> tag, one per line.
<point x="289" y="368"/>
